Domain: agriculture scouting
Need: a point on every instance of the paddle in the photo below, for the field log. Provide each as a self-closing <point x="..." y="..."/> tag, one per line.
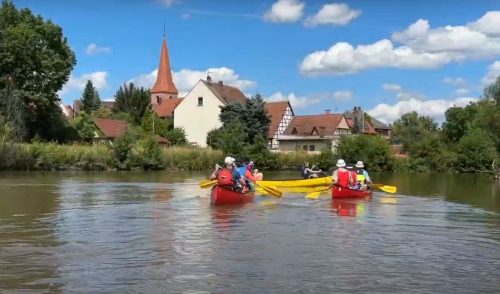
<point x="386" y="188"/>
<point x="207" y="183"/>
<point x="315" y="194"/>
<point x="270" y="190"/>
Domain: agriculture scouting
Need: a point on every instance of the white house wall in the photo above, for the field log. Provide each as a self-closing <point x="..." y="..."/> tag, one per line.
<point x="196" y="120"/>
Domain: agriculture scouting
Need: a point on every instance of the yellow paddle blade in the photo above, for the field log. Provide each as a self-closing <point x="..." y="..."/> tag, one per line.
<point x="388" y="189"/>
<point x="207" y="183"/>
<point x="313" y="195"/>
<point x="271" y="190"/>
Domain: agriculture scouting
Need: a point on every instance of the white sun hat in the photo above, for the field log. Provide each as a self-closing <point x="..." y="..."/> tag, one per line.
<point x="340" y="163"/>
<point x="360" y="164"/>
<point x="229" y="160"/>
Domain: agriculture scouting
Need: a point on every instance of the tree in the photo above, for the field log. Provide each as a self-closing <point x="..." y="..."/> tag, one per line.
<point x="35" y="55"/>
<point x="132" y="100"/>
<point x="411" y="128"/>
<point x="232" y="140"/>
<point x="103" y="112"/>
<point x="458" y="120"/>
<point x="85" y="126"/>
<point x="259" y="153"/>
<point x="176" y="136"/>
<point x="374" y="151"/>
<point x="492" y="92"/>
<point x="252" y="116"/>
<point x="90" y="98"/>
<point x="151" y="121"/>
<point x="476" y="151"/>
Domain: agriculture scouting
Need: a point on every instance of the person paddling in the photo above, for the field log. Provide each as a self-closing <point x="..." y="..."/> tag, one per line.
<point x="310" y="173"/>
<point x="362" y="176"/>
<point x="227" y="176"/>
<point x="246" y="176"/>
<point x="341" y="176"/>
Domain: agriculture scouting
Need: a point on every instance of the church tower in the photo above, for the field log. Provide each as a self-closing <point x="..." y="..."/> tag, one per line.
<point x="164" y="88"/>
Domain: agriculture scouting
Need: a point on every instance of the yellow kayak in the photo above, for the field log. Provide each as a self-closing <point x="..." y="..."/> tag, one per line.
<point x="295" y="189"/>
<point x="325" y="181"/>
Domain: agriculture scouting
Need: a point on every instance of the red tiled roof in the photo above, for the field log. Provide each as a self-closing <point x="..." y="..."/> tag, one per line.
<point x="166" y="107"/>
<point x="275" y="110"/>
<point x="368" y="127"/>
<point x="322" y="124"/>
<point x="164" y="82"/>
<point x="111" y="128"/>
<point x="226" y="94"/>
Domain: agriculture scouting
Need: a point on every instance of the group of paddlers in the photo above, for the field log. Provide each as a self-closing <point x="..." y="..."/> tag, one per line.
<point x="237" y="175"/>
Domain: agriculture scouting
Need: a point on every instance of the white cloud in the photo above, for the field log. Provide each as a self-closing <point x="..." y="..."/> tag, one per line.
<point x="93" y="49"/>
<point x="392" y="87"/>
<point x="418" y="47"/>
<point x="456" y="82"/>
<point x="285" y="11"/>
<point x="167" y="3"/>
<point x="492" y="75"/>
<point x="342" y="96"/>
<point x="343" y="58"/>
<point x="77" y="83"/>
<point x="402" y="94"/>
<point x="315" y="98"/>
<point x="185" y="15"/>
<point x="433" y="108"/>
<point x="333" y="14"/>
<point x="488" y="23"/>
<point x="295" y="101"/>
<point x="461" y="91"/>
<point x="185" y="79"/>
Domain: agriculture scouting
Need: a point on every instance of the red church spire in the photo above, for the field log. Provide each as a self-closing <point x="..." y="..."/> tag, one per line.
<point x="164" y="83"/>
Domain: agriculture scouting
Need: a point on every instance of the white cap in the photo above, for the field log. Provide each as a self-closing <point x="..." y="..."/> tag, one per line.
<point x="340" y="163"/>
<point x="360" y="164"/>
<point x="229" y="160"/>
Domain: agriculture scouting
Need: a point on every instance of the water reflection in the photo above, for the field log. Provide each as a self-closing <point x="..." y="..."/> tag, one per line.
<point x="350" y="207"/>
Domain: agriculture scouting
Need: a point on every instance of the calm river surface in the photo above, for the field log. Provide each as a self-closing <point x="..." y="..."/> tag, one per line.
<point x="156" y="233"/>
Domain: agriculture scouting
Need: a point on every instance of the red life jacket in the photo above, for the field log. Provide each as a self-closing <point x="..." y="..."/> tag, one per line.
<point x="343" y="176"/>
<point x="225" y="177"/>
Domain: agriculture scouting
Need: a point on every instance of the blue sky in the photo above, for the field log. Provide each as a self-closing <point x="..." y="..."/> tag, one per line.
<point x="421" y="56"/>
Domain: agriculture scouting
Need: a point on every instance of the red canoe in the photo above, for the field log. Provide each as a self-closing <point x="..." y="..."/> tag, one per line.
<point x="341" y="192"/>
<point x="225" y="196"/>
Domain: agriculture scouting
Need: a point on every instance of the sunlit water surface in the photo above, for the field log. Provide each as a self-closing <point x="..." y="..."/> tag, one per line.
<point x="157" y="233"/>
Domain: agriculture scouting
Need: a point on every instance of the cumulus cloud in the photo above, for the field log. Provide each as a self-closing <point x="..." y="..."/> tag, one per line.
<point x="93" y="49"/>
<point x="185" y="79"/>
<point x="333" y="14"/>
<point x="302" y="101"/>
<point x="417" y="47"/>
<point x="77" y="83"/>
<point x="295" y="101"/>
<point x="343" y="58"/>
<point x="488" y="23"/>
<point x="285" y="11"/>
<point x="492" y="75"/>
<point x="387" y="113"/>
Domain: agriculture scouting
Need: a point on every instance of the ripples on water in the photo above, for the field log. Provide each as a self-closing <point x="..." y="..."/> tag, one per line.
<point x="82" y="234"/>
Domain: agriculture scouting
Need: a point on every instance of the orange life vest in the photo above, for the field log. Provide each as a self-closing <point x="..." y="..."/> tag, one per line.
<point x="225" y="177"/>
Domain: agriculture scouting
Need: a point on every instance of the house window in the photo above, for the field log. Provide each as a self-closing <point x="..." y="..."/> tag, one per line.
<point x="304" y="147"/>
<point x="200" y="101"/>
<point x="312" y="148"/>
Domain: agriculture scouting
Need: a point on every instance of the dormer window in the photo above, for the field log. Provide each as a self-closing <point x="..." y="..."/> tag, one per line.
<point x="158" y="99"/>
<point x="200" y="101"/>
<point x="294" y="131"/>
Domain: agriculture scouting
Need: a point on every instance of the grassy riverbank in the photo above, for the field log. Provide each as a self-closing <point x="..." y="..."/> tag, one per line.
<point x="52" y="156"/>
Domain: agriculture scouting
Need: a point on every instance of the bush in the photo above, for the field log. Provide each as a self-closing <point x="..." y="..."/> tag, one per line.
<point x="146" y="153"/>
<point x="475" y="152"/>
<point x="374" y="151"/>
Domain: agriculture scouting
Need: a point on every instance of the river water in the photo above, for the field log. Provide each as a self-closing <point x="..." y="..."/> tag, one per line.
<point x="157" y="233"/>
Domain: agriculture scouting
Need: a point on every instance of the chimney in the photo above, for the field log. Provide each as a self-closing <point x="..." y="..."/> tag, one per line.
<point x="221" y="84"/>
<point x="327" y="111"/>
<point x="209" y="78"/>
